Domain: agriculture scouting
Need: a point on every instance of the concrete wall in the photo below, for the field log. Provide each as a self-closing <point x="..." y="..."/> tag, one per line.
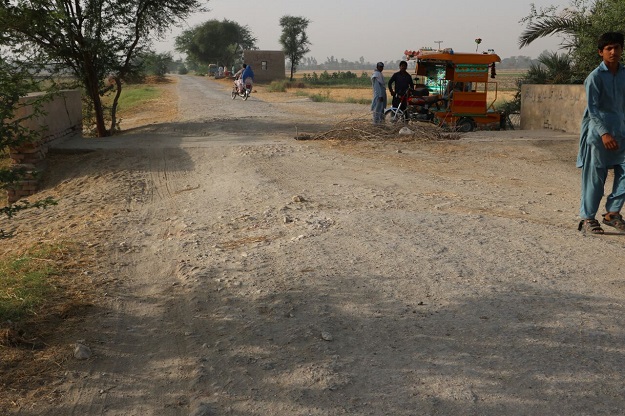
<point x="555" y="107"/>
<point x="267" y="65"/>
<point x="62" y="114"/>
<point x="62" y="117"/>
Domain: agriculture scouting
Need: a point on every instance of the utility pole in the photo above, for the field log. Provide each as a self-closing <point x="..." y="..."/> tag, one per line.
<point x="439" y="43"/>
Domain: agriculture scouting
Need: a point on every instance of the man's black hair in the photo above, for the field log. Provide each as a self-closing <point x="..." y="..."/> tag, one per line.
<point x="610" y="38"/>
<point x="403" y="63"/>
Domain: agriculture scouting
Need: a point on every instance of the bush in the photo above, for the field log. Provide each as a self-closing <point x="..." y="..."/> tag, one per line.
<point x="277" y="86"/>
<point x="347" y="78"/>
<point x="183" y="70"/>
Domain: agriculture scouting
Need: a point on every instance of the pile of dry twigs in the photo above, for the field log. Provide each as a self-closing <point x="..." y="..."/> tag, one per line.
<point x="362" y="129"/>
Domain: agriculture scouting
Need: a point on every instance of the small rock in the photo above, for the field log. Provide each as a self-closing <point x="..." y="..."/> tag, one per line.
<point x="298" y="198"/>
<point x="201" y="409"/>
<point x="326" y="336"/>
<point x="82" y="352"/>
<point x="405" y="131"/>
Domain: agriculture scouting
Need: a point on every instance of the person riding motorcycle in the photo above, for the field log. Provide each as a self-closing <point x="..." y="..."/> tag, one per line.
<point x="238" y="79"/>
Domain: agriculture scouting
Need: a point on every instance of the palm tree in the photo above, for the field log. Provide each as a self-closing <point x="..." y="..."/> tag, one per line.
<point x="569" y="24"/>
<point x="580" y="26"/>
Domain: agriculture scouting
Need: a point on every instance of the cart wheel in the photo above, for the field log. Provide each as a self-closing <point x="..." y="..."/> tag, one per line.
<point x="394" y="115"/>
<point x="465" y="125"/>
<point x="234" y="94"/>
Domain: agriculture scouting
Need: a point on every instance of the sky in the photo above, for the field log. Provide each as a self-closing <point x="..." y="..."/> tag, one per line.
<point x="382" y="30"/>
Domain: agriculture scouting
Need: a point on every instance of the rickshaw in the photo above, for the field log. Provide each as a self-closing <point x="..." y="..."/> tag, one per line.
<point x="462" y="81"/>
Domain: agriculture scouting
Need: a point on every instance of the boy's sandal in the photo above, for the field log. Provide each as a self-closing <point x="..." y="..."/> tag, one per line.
<point x="614" y="220"/>
<point x="591" y="226"/>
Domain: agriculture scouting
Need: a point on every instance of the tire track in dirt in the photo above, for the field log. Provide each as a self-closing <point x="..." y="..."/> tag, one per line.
<point x="393" y="282"/>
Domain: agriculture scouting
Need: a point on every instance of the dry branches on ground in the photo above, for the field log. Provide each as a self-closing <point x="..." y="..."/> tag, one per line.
<point x="362" y="129"/>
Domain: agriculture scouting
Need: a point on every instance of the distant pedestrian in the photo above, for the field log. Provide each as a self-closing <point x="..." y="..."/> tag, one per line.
<point x="602" y="138"/>
<point x="379" y="94"/>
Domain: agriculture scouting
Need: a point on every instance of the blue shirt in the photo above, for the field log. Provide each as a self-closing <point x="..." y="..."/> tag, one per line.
<point x="605" y="113"/>
<point x="247" y="73"/>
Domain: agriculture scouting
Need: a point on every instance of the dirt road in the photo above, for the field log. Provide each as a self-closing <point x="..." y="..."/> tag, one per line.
<point x="247" y="273"/>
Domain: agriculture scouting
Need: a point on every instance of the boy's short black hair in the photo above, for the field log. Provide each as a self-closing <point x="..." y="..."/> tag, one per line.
<point x="403" y="63"/>
<point x="610" y="38"/>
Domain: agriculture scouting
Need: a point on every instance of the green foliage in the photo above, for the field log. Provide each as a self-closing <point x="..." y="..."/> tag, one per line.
<point x="214" y="41"/>
<point x="89" y="39"/>
<point x="580" y="25"/>
<point x="182" y="70"/>
<point x="347" y="78"/>
<point x="153" y="63"/>
<point x="137" y="95"/>
<point x="294" y="39"/>
<point x="16" y="82"/>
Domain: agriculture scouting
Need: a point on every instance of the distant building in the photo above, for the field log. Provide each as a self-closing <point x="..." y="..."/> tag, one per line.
<point x="267" y="65"/>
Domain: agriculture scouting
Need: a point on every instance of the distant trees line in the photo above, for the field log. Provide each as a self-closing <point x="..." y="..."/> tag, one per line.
<point x="331" y="63"/>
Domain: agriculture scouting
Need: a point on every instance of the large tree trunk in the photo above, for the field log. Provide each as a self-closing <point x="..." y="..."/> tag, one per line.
<point x="91" y="79"/>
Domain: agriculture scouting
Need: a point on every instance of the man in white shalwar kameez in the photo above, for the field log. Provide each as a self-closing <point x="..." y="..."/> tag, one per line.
<point x="379" y="94"/>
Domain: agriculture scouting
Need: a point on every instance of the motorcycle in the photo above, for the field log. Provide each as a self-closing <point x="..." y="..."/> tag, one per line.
<point x="414" y="105"/>
<point x="244" y="92"/>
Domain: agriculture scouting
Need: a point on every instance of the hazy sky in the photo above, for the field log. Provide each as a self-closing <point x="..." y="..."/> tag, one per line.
<point x="382" y="30"/>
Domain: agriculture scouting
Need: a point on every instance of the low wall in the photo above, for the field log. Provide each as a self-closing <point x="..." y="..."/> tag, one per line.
<point x="555" y="107"/>
<point x="62" y="116"/>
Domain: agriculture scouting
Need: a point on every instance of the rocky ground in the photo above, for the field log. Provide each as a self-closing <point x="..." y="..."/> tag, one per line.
<point x="237" y="271"/>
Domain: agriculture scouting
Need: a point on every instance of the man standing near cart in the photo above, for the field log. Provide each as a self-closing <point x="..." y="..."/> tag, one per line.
<point x="403" y="82"/>
<point x="379" y="94"/>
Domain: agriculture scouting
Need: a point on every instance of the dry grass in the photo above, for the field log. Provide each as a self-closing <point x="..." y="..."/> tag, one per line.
<point x="32" y="351"/>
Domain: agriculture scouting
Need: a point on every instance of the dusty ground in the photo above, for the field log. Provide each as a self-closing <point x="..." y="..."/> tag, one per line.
<point x="241" y="272"/>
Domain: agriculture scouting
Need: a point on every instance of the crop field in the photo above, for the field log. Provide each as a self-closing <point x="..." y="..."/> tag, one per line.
<point x="505" y="82"/>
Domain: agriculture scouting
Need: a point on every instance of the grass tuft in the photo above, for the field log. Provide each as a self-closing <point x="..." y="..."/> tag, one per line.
<point x="25" y="284"/>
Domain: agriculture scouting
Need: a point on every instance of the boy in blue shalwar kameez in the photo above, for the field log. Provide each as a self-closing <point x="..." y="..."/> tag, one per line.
<point x="602" y="138"/>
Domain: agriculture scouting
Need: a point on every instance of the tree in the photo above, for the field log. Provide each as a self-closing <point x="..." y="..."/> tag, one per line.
<point x="215" y="42"/>
<point x="89" y="38"/>
<point x="153" y="63"/>
<point x="580" y="26"/>
<point x="294" y="40"/>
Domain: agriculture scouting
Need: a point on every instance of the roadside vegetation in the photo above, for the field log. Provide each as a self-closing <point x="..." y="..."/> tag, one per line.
<point x="136" y="95"/>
